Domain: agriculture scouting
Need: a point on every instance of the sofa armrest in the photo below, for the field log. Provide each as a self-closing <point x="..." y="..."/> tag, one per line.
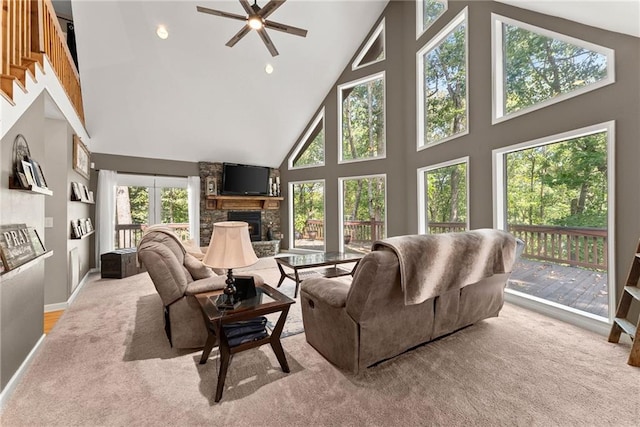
<point x="331" y="292"/>
<point x="209" y="284"/>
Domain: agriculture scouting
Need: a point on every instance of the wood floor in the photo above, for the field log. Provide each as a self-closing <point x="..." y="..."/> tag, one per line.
<point x="50" y="320"/>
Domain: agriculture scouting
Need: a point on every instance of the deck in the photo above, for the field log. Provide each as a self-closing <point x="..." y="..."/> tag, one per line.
<point x="575" y="287"/>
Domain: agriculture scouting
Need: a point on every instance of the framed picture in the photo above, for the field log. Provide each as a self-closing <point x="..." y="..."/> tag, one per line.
<point x="37" y="173"/>
<point x="15" y="245"/>
<point x="81" y="159"/>
<point x="28" y="173"/>
<point x="75" y="191"/>
<point x="91" y="199"/>
<point x="36" y="243"/>
<point x="210" y="188"/>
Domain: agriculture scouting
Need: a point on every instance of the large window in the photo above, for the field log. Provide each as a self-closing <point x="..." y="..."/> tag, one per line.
<point x="362" y="119"/>
<point x="306" y="209"/>
<point x="443" y="197"/>
<point x="427" y="12"/>
<point x="142" y="201"/>
<point x="534" y="67"/>
<point x="362" y="212"/>
<point x="442" y="85"/>
<point x="556" y="195"/>
<point x="310" y="151"/>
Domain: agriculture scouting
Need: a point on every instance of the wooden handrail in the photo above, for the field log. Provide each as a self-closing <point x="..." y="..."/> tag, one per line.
<point x="30" y="28"/>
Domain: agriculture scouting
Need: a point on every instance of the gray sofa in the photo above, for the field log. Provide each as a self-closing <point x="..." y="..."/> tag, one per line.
<point x="381" y="315"/>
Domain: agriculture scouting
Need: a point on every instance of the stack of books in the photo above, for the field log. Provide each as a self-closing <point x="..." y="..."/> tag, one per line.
<point x="245" y="331"/>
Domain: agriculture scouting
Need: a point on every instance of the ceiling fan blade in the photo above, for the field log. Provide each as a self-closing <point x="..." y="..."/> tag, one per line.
<point x="285" y="28"/>
<point x="267" y="41"/>
<point x="239" y="35"/>
<point x="221" y="13"/>
<point x="247" y="7"/>
<point x="270" y="7"/>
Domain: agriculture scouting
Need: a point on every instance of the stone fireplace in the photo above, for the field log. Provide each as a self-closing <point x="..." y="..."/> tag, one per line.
<point x="253" y="218"/>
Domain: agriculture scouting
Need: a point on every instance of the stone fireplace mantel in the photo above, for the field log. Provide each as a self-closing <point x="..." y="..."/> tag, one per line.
<point x="243" y="202"/>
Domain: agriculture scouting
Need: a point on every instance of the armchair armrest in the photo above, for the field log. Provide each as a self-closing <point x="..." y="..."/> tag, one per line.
<point x="331" y="292"/>
<point x="209" y="284"/>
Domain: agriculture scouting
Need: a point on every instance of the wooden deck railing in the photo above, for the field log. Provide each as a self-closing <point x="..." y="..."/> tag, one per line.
<point x="30" y="29"/>
<point x="446" y="227"/>
<point x="575" y="246"/>
<point x="359" y="231"/>
<point x="129" y="235"/>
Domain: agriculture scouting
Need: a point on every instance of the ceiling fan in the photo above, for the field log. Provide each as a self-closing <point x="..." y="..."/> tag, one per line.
<point x="256" y="19"/>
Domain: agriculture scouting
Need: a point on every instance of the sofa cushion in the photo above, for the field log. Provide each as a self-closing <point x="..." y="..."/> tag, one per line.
<point x="196" y="268"/>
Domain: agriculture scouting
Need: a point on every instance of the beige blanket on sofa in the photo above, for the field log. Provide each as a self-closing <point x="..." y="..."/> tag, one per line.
<point x="433" y="264"/>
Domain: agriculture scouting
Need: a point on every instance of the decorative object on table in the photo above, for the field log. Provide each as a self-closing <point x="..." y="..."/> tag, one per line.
<point x="210" y="187"/>
<point x="15" y="245"/>
<point x="245" y="287"/>
<point x="230" y="248"/>
<point x="81" y="157"/>
<point x="36" y="243"/>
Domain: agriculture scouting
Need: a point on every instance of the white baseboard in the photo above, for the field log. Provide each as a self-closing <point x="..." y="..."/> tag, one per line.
<point x="64" y="305"/>
<point x="15" y="379"/>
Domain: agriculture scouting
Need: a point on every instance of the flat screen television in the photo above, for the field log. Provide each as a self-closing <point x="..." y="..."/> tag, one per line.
<point x="245" y="180"/>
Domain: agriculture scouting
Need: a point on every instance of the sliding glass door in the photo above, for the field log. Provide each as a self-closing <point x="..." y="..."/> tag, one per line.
<point x="142" y="201"/>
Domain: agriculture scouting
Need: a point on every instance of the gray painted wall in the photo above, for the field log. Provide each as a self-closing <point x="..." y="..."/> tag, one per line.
<point x="619" y="102"/>
<point x="22" y="297"/>
<point x="143" y="165"/>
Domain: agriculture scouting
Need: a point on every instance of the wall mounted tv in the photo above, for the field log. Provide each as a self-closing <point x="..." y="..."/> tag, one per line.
<point x="244" y="180"/>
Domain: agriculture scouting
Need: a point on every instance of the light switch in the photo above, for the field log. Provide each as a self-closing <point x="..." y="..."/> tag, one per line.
<point x="48" y="222"/>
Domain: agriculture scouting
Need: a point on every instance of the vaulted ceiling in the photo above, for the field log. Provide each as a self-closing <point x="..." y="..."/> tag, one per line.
<point x="191" y="98"/>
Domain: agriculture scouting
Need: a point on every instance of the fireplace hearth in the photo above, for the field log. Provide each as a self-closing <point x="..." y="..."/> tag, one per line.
<point x="253" y="218"/>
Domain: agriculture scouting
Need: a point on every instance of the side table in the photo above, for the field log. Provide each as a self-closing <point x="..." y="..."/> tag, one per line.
<point x="267" y="300"/>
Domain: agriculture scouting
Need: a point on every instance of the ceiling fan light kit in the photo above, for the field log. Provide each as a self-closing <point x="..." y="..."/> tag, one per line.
<point x="256" y="19"/>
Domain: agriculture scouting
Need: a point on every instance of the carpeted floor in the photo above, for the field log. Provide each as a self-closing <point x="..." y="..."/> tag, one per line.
<point x="107" y="362"/>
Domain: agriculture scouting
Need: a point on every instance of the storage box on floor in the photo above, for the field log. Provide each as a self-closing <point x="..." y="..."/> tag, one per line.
<point x="119" y="264"/>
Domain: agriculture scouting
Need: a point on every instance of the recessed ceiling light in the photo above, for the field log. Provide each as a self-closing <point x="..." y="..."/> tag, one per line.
<point x="162" y="32"/>
<point x="268" y="69"/>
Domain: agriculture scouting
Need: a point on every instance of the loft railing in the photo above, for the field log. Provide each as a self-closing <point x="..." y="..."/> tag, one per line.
<point x="30" y="29"/>
<point x="129" y="235"/>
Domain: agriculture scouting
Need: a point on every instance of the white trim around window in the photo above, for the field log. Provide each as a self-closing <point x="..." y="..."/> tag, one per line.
<point x="422" y="202"/>
<point x="381" y="29"/>
<point x="500" y="221"/>
<point x="380" y="75"/>
<point x="341" y="204"/>
<point x="497" y="63"/>
<point x="305" y="139"/>
<point x="420" y="17"/>
<point x="291" y="225"/>
<point x="432" y="44"/>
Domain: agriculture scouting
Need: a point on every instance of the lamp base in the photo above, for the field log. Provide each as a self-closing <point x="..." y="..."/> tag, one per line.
<point x="223" y="303"/>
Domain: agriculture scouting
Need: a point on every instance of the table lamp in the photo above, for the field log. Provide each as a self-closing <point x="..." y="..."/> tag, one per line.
<point x="230" y="248"/>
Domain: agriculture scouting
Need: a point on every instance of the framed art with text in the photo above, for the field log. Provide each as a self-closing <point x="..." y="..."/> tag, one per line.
<point x="81" y="157"/>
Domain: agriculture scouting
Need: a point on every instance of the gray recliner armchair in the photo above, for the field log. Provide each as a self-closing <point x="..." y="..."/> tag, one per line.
<point x="178" y="276"/>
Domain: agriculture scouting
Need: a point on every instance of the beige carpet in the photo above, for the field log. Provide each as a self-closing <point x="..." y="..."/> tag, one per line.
<point x="107" y="362"/>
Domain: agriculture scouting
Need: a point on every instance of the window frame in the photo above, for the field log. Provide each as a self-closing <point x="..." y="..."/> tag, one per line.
<point x="341" y="204"/>
<point x="460" y="18"/>
<point x="498" y="94"/>
<point x="420" y="17"/>
<point x="305" y="139"/>
<point x="423" y="223"/>
<point x="567" y="314"/>
<point x="380" y="29"/>
<point x="291" y="224"/>
<point x="354" y="83"/>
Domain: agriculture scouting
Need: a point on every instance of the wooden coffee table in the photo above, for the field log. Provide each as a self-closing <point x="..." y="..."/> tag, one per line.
<point x="300" y="262"/>
<point x="267" y="300"/>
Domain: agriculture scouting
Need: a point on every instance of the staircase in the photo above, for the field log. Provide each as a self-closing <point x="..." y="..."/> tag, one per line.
<point x="30" y="37"/>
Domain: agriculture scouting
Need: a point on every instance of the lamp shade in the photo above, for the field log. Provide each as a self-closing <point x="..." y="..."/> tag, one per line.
<point x="230" y="246"/>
